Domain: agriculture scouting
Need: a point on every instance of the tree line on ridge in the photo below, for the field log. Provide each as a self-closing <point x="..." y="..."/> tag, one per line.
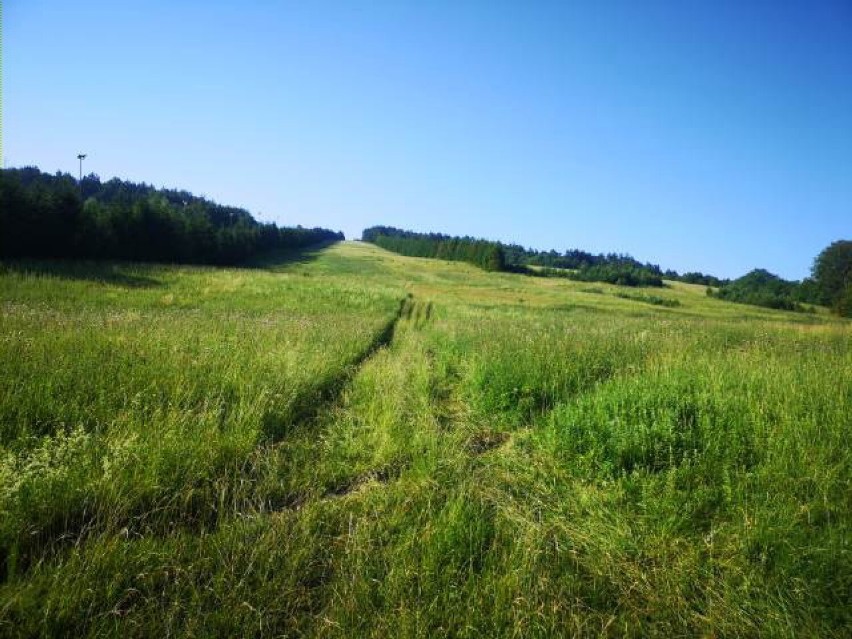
<point x="830" y="283"/>
<point x="55" y="216"/>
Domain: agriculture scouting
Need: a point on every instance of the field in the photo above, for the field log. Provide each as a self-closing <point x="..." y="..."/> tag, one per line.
<point x="350" y="443"/>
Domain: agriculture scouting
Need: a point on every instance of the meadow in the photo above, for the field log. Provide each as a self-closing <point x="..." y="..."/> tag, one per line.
<point x="351" y="443"/>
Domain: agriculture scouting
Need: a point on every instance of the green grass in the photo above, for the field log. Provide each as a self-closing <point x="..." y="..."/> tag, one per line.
<point x="656" y="300"/>
<point x="353" y="443"/>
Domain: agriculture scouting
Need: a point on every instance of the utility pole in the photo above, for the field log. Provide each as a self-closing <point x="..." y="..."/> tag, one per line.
<point x="81" y="157"/>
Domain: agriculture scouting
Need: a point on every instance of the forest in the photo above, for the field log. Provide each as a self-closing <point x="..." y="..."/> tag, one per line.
<point x="57" y="216"/>
<point x="496" y="256"/>
<point x="482" y="253"/>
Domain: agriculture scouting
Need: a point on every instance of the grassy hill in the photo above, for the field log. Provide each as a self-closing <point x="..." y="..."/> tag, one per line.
<point x="352" y="443"/>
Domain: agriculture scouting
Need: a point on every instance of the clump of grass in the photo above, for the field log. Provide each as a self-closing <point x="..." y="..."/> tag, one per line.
<point x="596" y="290"/>
<point x="656" y="300"/>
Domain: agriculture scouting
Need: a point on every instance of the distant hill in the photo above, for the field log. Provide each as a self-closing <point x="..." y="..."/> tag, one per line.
<point x="762" y="288"/>
<point x="55" y="216"/>
<point x="496" y="256"/>
<point x="830" y="284"/>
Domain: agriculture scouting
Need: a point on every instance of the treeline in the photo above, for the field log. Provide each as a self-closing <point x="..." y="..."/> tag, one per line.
<point x="830" y="284"/>
<point x="762" y="288"/>
<point x="481" y="253"/>
<point x="55" y="216"/>
<point x="590" y="266"/>
<point x="694" y="277"/>
<point x="616" y="272"/>
<point x="613" y="268"/>
<point x="495" y="256"/>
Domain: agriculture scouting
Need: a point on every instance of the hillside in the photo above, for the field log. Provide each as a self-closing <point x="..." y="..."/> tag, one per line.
<point x="353" y="443"/>
<point x="761" y="288"/>
<point x="496" y="256"/>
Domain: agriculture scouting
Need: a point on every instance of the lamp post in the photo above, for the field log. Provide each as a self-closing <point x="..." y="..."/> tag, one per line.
<point x="81" y="157"/>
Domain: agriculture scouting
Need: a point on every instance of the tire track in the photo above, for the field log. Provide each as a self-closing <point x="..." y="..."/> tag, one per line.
<point x="308" y="410"/>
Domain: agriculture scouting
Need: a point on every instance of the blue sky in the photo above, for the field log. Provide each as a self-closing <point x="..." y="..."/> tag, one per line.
<point x="712" y="136"/>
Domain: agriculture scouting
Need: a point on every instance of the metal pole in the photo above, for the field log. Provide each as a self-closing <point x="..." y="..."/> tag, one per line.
<point x="81" y="157"/>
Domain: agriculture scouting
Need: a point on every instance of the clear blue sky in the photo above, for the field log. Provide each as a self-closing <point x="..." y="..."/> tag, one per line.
<point x="712" y="136"/>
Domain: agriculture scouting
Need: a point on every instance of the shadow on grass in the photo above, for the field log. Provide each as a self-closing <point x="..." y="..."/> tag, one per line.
<point x="138" y="275"/>
<point x="127" y="275"/>
<point x="281" y="259"/>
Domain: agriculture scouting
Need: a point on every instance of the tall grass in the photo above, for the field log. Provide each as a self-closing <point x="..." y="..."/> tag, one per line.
<point x="137" y="409"/>
<point x="521" y="459"/>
